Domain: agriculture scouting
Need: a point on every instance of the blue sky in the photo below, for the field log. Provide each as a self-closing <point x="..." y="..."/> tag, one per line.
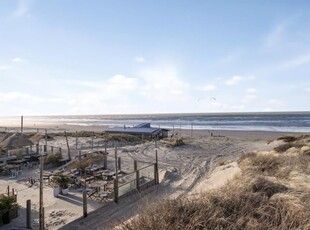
<point x="111" y="57"/>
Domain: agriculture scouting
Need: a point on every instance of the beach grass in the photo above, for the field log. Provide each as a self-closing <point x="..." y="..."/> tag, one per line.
<point x="271" y="193"/>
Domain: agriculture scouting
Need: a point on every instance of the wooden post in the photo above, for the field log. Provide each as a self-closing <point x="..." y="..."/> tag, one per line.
<point x="192" y="129"/>
<point x="28" y="214"/>
<point x="105" y="161"/>
<point x="60" y="150"/>
<point x="37" y="148"/>
<point x="116" y="178"/>
<point x="69" y="155"/>
<point x="84" y="204"/>
<point x="46" y="137"/>
<point x="180" y="130"/>
<point x="21" y="124"/>
<point x="156" y="175"/>
<point x="116" y="191"/>
<point x="52" y="149"/>
<point x="41" y="214"/>
<point x="92" y="143"/>
<point x="119" y="164"/>
<point x="105" y="157"/>
<point x="43" y="224"/>
<point x="8" y="190"/>
<point x="135" y="165"/>
<point x="76" y="140"/>
<point x="105" y="146"/>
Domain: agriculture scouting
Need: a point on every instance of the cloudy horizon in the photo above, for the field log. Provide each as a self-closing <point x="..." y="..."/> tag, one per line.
<point x="136" y="57"/>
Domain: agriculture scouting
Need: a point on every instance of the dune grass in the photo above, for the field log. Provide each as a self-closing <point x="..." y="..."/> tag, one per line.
<point x="272" y="192"/>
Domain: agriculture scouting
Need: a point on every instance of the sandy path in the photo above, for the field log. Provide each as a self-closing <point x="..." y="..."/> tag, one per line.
<point x="183" y="170"/>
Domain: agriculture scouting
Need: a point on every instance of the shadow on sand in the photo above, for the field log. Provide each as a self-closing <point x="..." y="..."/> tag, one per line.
<point x="71" y="199"/>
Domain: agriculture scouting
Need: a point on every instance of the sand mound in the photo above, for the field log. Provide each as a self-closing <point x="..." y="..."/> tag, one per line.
<point x="17" y="140"/>
<point x="265" y="196"/>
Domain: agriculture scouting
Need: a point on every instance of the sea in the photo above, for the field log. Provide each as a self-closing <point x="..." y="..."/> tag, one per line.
<point x="284" y="122"/>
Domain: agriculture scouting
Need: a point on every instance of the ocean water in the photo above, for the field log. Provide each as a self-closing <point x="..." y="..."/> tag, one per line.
<point x="288" y="122"/>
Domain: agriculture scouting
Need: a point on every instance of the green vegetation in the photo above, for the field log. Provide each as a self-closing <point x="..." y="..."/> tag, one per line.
<point x="53" y="158"/>
<point x="7" y="203"/>
<point x="123" y="138"/>
<point x="61" y="181"/>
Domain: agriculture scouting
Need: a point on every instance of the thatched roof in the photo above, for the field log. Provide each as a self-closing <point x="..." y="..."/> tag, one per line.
<point x="4" y="136"/>
<point x="16" y="140"/>
<point x="37" y="137"/>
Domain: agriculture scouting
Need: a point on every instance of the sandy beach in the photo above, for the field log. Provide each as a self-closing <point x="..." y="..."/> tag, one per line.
<point x="184" y="170"/>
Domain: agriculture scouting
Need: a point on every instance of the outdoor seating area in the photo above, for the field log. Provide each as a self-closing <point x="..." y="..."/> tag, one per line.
<point x="95" y="179"/>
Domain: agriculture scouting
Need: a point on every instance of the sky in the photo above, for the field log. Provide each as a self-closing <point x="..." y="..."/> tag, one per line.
<point x="78" y="57"/>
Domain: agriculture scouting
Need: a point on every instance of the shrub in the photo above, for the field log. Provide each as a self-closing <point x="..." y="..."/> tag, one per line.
<point x="123" y="138"/>
<point x="264" y="197"/>
<point x="53" y="158"/>
<point x="7" y="203"/>
<point x="288" y="138"/>
<point x="61" y="180"/>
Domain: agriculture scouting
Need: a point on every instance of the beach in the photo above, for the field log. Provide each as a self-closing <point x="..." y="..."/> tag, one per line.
<point x="186" y="169"/>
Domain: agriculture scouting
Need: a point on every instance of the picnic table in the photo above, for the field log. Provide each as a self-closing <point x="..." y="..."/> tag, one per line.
<point x="102" y="195"/>
<point x="97" y="185"/>
<point x="108" y="174"/>
<point x="88" y="179"/>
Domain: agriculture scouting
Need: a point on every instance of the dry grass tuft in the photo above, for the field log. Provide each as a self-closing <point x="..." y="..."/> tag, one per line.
<point x="261" y="164"/>
<point x="267" y="187"/>
<point x="174" y="142"/>
<point x="123" y="138"/>
<point x="264" y="197"/>
<point x="288" y="138"/>
<point x="257" y="204"/>
<point x="284" y="147"/>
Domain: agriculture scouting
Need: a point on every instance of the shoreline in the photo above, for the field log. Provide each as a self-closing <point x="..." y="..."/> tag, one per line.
<point x="241" y="134"/>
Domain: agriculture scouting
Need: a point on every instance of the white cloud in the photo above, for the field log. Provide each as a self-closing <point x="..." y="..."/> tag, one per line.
<point x="17" y="60"/>
<point x="113" y="88"/>
<point x="22" y="8"/>
<point x="139" y="59"/>
<point x="5" y="67"/>
<point x="24" y="97"/>
<point x="162" y="83"/>
<point x="207" y="88"/>
<point x="236" y="79"/>
<point x="122" y="82"/>
<point x="107" y="96"/>
<point x="152" y="89"/>
<point x="251" y="90"/>
<point x="307" y="89"/>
